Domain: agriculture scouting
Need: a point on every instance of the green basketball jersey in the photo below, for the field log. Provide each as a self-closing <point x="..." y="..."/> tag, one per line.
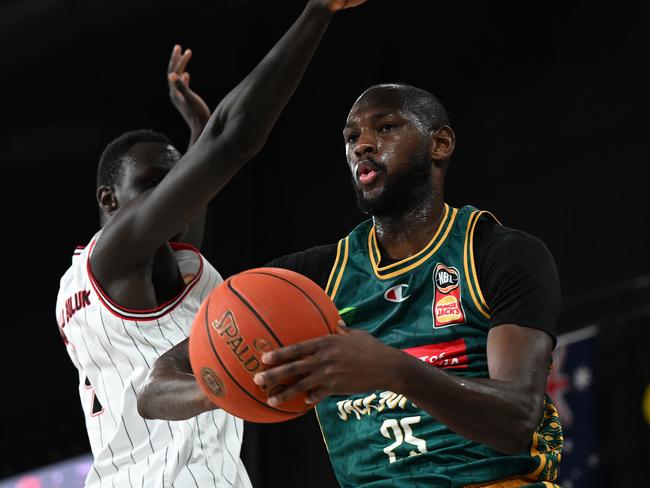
<point x="430" y="306"/>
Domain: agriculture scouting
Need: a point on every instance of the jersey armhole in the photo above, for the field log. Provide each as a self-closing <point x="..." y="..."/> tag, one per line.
<point x="470" y="263"/>
<point x="337" y="269"/>
<point x="144" y="315"/>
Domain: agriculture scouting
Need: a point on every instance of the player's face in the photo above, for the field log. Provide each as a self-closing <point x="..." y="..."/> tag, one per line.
<point x="148" y="164"/>
<point x="388" y="152"/>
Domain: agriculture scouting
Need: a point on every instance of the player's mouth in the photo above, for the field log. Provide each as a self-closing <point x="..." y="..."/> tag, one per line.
<point x="367" y="172"/>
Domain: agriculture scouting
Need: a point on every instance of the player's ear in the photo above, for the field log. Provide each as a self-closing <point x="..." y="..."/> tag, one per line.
<point x="443" y="142"/>
<point x="106" y="199"/>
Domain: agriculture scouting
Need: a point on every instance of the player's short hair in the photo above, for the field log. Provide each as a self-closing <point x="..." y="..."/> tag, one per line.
<point x="111" y="163"/>
<point x="423" y="104"/>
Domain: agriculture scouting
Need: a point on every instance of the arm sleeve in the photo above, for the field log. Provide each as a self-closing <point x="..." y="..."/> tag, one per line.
<point x="315" y="263"/>
<point x="518" y="277"/>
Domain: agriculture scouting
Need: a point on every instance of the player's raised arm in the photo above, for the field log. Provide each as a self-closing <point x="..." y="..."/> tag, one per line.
<point x="195" y="113"/>
<point x="236" y="131"/>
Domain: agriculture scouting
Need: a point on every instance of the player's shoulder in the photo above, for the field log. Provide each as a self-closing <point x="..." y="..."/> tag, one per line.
<point x="492" y="235"/>
<point x="314" y="263"/>
<point x="313" y="254"/>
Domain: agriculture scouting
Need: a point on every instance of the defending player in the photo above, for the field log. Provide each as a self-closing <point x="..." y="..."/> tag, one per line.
<point x="133" y="291"/>
<point x="439" y="377"/>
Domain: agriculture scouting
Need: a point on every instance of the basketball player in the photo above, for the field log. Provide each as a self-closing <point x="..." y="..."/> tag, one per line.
<point x="133" y="291"/>
<point x="437" y="378"/>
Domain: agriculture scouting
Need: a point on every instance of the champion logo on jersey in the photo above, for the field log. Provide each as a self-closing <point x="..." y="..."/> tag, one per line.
<point x="397" y="293"/>
<point x="447" y="306"/>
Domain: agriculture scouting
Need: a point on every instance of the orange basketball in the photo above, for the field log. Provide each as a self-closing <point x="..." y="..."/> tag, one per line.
<point x="247" y="315"/>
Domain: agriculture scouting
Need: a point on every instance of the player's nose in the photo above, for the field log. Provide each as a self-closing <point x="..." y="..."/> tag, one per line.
<point x="365" y="146"/>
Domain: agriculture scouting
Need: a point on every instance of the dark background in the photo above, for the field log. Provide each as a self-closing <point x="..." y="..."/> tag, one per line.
<point x="549" y="101"/>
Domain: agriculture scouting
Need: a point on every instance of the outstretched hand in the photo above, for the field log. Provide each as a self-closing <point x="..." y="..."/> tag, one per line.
<point x="348" y="362"/>
<point x="336" y="5"/>
<point x="190" y="105"/>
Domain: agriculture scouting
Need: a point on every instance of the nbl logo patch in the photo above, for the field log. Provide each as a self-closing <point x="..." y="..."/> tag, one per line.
<point x="447" y="306"/>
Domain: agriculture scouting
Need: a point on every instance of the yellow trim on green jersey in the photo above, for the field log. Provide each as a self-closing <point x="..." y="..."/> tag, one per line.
<point x="434" y="244"/>
<point x="377" y="255"/>
<point x="339" y="263"/>
<point x="472" y="282"/>
<point x="471" y="255"/>
<point x="470" y="263"/>
<point x="512" y="483"/>
<point x="322" y="433"/>
<point x="547" y="444"/>
<point x="477" y="285"/>
<point x="336" y="262"/>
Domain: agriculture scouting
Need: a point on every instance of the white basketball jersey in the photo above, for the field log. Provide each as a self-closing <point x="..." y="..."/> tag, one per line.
<point x="113" y="349"/>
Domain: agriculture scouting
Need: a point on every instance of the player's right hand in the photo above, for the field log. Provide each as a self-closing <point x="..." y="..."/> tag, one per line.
<point x="190" y="105"/>
<point x="336" y="5"/>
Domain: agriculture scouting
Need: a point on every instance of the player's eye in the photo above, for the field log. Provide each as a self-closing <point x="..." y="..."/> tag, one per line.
<point x="351" y="138"/>
<point x="386" y="126"/>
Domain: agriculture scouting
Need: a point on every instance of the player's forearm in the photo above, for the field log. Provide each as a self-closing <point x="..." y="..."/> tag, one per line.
<point x="195" y="132"/>
<point x="172" y="398"/>
<point x="236" y="131"/>
<point x="170" y="391"/>
<point x="196" y="230"/>
<point x="255" y="104"/>
<point x="500" y="414"/>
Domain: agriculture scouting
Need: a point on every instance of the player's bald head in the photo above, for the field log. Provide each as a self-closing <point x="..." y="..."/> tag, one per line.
<point x="423" y="105"/>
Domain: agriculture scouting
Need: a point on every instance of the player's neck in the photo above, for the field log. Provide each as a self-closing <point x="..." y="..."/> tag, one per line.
<point x="404" y="235"/>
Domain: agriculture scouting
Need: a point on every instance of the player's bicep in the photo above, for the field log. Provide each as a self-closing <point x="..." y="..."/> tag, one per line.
<point x="520" y="355"/>
<point x="520" y="281"/>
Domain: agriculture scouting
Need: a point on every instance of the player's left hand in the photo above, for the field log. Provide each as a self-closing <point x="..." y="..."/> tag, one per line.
<point x="350" y="361"/>
<point x="336" y="5"/>
<point x="190" y="105"/>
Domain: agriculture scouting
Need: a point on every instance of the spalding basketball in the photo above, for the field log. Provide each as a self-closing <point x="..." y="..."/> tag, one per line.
<point x="247" y="315"/>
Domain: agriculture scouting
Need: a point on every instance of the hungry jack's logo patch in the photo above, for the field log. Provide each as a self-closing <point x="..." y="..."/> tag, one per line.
<point x="447" y="307"/>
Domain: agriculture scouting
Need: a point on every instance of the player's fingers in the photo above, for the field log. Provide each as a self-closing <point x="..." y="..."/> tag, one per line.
<point x="294" y="351"/>
<point x="315" y="395"/>
<point x="186" y="78"/>
<point x="177" y="84"/>
<point x="173" y="60"/>
<point x="184" y="59"/>
<point x="273" y="376"/>
<point x="341" y="328"/>
<point x="304" y="385"/>
<point x="173" y="81"/>
<point x="353" y="3"/>
<point x="178" y="96"/>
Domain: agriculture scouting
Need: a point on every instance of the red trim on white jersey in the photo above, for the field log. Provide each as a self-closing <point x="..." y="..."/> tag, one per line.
<point x="148" y="314"/>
